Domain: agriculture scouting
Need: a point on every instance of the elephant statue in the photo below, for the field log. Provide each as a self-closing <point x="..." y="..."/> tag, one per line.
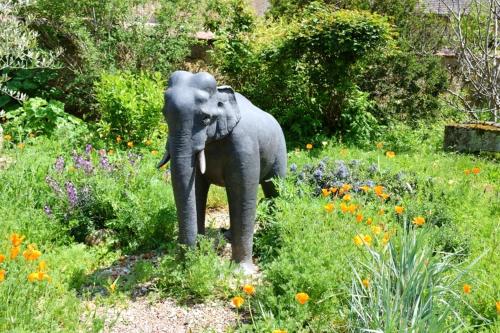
<point x="217" y="136"/>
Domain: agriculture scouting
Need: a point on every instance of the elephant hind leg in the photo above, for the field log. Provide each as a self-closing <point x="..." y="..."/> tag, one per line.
<point x="269" y="189"/>
<point x="201" y="187"/>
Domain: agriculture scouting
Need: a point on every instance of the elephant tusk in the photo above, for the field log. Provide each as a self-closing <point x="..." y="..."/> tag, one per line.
<point x="164" y="160"/>
<point x="201" y="159"/>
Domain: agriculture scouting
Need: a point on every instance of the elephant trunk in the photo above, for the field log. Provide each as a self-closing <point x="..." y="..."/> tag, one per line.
<point x="183" y="182"/>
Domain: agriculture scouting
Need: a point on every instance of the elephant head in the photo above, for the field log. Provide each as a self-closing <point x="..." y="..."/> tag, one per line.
<point x="197" y="112"/>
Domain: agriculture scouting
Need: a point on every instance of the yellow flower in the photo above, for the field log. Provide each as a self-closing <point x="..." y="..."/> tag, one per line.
<point x="359" y="217"/>
<point x="352" y="208"/>
<point x="14" y="252"/>
<point x="249" y="289"/>
<point x="365" y="188"/>
<point x="130" y="144"/>
<point x="343" y="207"/>
<point x="112" y="287"/>
<point x="111" y="152"/>
<point x="333" y="189"/>
<point x="7" y="137"/>
<point x="329" y="207"/>
<point x="498" y="306"/>
<point x="367" y="240"/>
<point x="326" y="192"/>
<point x="237" y="301"/>
<point x="379" y="189"/>
<point x="381" y="211"/>
<point x="346" y="197"/>
<point x="21" y="145"/>
<point x="467" y="172"/>
<point x="376" y="229"/>
<point x="154" y="152"/>
<point x="42" y="266"/>
<point x="380" y="145"/>
<point x="467" y="288"/>
<point x="384" y="196"/>
<point x="309" y="146"/>
<point x="118" y="139"/>
<point x="390" y="154"/>
<point x="399" y="209"/>
<point x="476" y="170"/>
<point x="369" y="221"/>
<point x="32" y="277"/>
<point x="365" y="282"/>
<point x="2" y="275"/>
<point x="302" y="298"/>
<point x="2" y="258"/>
<point x="419" y="220"/>
<point x="148" y="142"/>
<point x="386" y="238"/>
<point x="358" y="240"/>
<point x="16" y="239"/>
<point x="31" y="253"/>
<point x="280" y="331"/>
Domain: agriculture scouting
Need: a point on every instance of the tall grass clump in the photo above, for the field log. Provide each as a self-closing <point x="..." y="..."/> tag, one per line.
<point x="407" y="287"/>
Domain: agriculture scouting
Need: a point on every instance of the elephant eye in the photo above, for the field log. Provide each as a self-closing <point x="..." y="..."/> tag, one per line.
<point x="205" y="120"/>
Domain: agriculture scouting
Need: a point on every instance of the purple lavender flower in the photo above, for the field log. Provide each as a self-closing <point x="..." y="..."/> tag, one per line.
<point x="105" y="165"/>
<point x="53" y="185"/>
<point x="72" y="195"/>
<point x="372" y="168"/>
<point x="132" y="158"/>
<point x="59" y="165"/>
<point x="88" y="148"/>
<point x="81" y="163"/>
<point x="293" y="167"/>
<point x="342" y="170"/>
<point x="318" y="174"/>
<point x="47" y="210"/>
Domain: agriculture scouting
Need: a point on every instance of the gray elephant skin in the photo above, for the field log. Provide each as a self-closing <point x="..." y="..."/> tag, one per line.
<point x="217" y="136"/>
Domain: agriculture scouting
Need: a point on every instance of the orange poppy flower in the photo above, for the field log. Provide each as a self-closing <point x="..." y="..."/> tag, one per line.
<point x="249" y="289"/>
<point x="2" y="258"/>
<point x="419" y="220"/>
<point x="237" y="301"/>
<point x="346" y="197"/>
<point x="390" y="154"/>
<point x="329" y="207"/>
<point x="376" y="229"/>
<point x="358" y="240"/>
<point x="325" y="192"/>
<point x="359" y="218"/>
<point x="365" y="188"/>
<point x="369" y="221"/>
<point x="476" y="170"/>
<point x="365" y="282"/>
<point x="399" y="209"/>
<point x="467" y="172"/>
<point x="302" y="298"/>
<point x="16" y="239"/>
<point x="309" y="146"/>
<point x="14" y="252"/>
<point x="2" y="275"/>
<point x="467" y="288"/>
<point x="379" y="189"/>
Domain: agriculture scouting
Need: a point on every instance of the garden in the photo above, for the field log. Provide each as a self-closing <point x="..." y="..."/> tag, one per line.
<point x="376" y="227"/>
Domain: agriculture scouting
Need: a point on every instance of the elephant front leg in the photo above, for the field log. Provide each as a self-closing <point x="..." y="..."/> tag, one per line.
<point x="201" y="187"/>
<point x="242" y="197"/>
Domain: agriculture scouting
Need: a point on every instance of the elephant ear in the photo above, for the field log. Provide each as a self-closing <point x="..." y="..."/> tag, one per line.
<point x="228" y="113"/>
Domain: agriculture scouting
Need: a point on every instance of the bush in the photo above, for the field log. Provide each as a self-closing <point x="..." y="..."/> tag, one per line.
<point x="130" y="105"/>
<point x="39" y="117"/>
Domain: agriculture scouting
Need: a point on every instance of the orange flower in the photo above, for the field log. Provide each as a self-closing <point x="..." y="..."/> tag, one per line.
<point x="130" y="144"/>
<point x="399" y="209"/>
<point x="367" y="240"/>
<point x="384" y="196"/>
<point x="154" y="152"/>
<point x="467" y="172"/>
<point x="280" y="331"/>
<point x="249" y="289"/>
<point x="32" y="277"/>
<point x="379" y="189"/>
<point x="333" y="189"/>
<point x="365" y="282"/>
<point x="7" y="137"/>
<point x="42" y="266"/>
<point x="237" y="301"/>
<point x="498" y="306"/>
<point x="419" y="220"/>
<point x="467" y="288"/>
<point x="21" y="145"/>
<point x="369" y="221"/>
<point x="16" y="239"/>
<point x="2" y="258"/>
<point x="365" y="188"/>
<point x="346" y="187"/>
<point x="386" y="238"/>
<point x="352" y="208"/>
<point x="376" y="229"/>
<point x="359" y="217"/>
<point x="302" y="298"/>
<point x="346" y="197"/>
<point x="390" y="154"/>
<point x="476" y="170"/>
<point x="380" y="145"/>
<point x="14" y="252"/>
<point x="118" y="139"/>
<point x="358" y="240"/>
<point x="329" y="207"/>
<point x="148" y="142"/>
<point x="31" y="253"/>
<point x="325" y="192"/>
<point x="309" y="146"/>
<point x="2" y="275"/>
<point x="343" y="207"/>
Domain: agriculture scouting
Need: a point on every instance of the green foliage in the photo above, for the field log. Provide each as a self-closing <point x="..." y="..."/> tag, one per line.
<point x="405" y="286"/>
<point x="38" y="117"/>
<point x="129" y="105"/>
<point x="196" y="274"/>
<point x="308" y="63"/>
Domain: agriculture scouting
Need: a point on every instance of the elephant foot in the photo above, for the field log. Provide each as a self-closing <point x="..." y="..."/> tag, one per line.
<point x="247" y="268"/>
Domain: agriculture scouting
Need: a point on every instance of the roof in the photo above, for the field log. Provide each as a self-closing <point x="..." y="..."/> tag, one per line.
<point x="444" y="7"/>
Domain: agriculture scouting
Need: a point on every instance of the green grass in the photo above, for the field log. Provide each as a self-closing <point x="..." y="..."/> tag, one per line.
<point x="300" y="246"/>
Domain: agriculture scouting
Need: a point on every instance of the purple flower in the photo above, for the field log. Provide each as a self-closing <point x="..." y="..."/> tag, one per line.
<point x="132" y="158"/>
<point x="105" y="165"/>
<point x="47" y="210"/>
<point x="88" y="148"/>
<point x="59" y="165"/>
<point x="53" y="185"/>
<point x="318" y="174"/>
<point x="81" y="163"/>
<point x="342" y="171"/>
<point x="72" y="195"/>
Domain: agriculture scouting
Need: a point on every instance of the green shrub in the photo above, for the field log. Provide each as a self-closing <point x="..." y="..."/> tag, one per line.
<point x="38" y="117"/>
<point x="129" y="105"/>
